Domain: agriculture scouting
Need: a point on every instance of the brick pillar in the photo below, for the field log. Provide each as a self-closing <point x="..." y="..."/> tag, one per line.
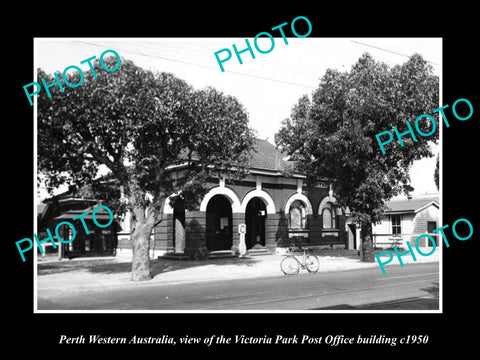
<point x="237" y="219"/>
<point x="195" y="228"/>
<point x="273" y="229"/>
<point x="163" y="235"/>
<point x="277" y="231"/>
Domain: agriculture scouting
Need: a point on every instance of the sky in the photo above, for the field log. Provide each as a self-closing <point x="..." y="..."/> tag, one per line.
<point x="268" y="86"/>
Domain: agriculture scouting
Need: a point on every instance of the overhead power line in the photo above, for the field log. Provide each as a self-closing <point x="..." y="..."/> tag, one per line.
<point x="383" y="49"/>
<point x="203" y="66"/>
<point x="190" y="63"/>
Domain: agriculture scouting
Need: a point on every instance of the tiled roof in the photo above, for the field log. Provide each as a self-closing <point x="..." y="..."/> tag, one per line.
<point x="267" y="157"/>
<point x="264" y="156"/>
<point x="412" y="205"/>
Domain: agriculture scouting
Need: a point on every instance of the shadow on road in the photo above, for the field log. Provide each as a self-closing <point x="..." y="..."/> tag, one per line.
<point x="429" y="302"/>
<point x="432" y="290"/>
<point x="401" y="304"/>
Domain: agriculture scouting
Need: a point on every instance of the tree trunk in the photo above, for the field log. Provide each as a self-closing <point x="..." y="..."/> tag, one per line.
<point x="140" y="252"/>
<point x="367" y="242"/>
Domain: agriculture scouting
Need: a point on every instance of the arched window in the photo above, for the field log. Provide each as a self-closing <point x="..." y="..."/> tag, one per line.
<point x="329" y="215"/>
<point x="298" y="215"/>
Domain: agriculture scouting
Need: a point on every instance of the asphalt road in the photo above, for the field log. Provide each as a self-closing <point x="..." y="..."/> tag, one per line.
<point x="412" y="287"/>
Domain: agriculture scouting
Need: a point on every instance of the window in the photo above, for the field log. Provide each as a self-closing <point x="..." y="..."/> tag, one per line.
<point x="329" y="215"/>
<point x="396" y="224"/>
<point x="298" y="215"/>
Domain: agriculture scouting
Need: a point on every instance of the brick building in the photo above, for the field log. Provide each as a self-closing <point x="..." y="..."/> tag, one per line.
<point x="273" y="201"/>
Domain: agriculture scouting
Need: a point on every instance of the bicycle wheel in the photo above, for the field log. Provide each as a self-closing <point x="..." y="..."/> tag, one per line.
<point x="312" y="263"/>
<point x="289" y="266"/>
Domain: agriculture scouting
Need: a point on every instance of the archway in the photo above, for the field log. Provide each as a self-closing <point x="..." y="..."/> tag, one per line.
<point x="218" y="224"/>
<point x="303" y="199"/>
<point x="255" y="215"/>
<point x="329" y="211"/>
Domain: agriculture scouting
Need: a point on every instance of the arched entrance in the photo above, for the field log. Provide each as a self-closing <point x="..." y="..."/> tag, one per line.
<point x="255" y="215"/>
<point x="219" y="224"/>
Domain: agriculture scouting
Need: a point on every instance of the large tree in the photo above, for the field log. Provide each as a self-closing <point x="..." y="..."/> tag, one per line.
<point x="138" y="125"/>
<point x="333" y="135"/>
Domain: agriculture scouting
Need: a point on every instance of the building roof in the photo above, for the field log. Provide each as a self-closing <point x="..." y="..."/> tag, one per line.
<point x="267" y="157"/>
<point x="71" y="195"/>
<point x="410" y="205"/>
<point x="101" y="214"/>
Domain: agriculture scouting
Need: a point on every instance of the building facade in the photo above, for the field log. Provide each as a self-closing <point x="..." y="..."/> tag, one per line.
<point x="65" y="207"/>
<point x="405" y="220"/>
<point x="273" y="201"/>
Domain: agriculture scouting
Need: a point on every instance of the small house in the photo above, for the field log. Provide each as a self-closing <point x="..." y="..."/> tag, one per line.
<point x="406" y="219"/>
<point x="65" y="207"/>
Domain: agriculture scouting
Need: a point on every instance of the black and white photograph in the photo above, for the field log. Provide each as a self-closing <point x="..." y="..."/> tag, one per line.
<point x="262" y="187"/>
<point x="230" y="183"/>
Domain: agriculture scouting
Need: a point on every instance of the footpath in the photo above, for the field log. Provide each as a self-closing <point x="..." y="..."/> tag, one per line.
<point x="55" y="276"/>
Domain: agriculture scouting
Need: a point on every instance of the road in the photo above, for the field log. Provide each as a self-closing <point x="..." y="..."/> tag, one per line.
<point x="413" y="287"/>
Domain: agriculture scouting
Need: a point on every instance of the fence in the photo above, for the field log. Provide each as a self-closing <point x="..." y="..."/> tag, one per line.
<point x="383" y="241"/>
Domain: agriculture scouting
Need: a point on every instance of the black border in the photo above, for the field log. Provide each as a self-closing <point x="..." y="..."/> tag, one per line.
<point x="40" y="332"/>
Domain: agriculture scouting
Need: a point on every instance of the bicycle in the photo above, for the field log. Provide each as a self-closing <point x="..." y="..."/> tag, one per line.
<point x="290" y="265"/>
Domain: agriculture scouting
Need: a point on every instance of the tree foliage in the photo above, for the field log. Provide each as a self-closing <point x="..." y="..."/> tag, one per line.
<point x="333" y="136"/>
<point x="139" y="125"/>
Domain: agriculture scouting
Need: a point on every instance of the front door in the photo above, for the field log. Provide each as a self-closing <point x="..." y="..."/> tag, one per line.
<point x="219" y="224"/>
<point x="255" y="215"/>
<point x="352" y="241"/>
